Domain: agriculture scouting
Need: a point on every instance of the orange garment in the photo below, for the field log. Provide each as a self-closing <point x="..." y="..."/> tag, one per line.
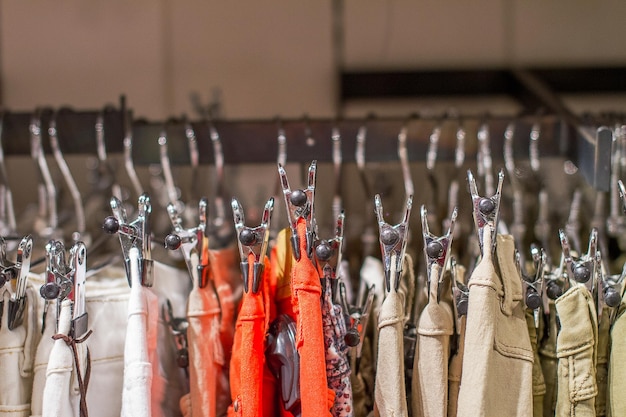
<point x="226" y="274"/>
<point x="306" y="292"/>
<point x="206" y="356"/>
<point x="252" y="385"/>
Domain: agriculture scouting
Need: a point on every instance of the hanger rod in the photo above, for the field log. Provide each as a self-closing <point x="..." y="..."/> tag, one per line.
<point x="255" y="141"/>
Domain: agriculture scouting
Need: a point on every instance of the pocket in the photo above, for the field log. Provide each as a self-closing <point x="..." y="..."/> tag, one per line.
<point x="581" y="375"/>
<point x="511" y="337"/>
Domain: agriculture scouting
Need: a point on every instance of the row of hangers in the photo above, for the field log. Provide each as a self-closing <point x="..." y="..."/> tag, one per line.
<point x="65" y="278"/>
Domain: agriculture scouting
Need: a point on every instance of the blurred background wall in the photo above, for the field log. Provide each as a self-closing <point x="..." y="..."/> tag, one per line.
<point x="259" y="59"/>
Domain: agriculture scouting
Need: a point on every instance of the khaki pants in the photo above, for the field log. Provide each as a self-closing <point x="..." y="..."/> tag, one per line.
<point x="549" y="363"/>
<point x="429" y="392"/>
<point x="576" y="347"/>
<point x="617" y="365"/>
<point x="498" y="357"/>
<point x="539" y="385"/>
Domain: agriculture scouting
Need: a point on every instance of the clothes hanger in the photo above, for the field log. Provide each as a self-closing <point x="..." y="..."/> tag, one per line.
<point x="300" y="204"/>
<point x="128" y="155"/>
<point x="47" y="222"/>
<point x="79" y="211"/>
<point x="486" y="211"/>
<point x="135" y="236"/>
<point x="252" y="241"/>
<point x="393" y="242"/>
<point x="220" y="231"/>
<point x="368" y="238"/>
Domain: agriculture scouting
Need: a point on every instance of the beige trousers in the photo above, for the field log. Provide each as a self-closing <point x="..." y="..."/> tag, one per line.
<point x="429" y="391"/>
<point x="498" y="357"/>
<point x="576" y="348"/>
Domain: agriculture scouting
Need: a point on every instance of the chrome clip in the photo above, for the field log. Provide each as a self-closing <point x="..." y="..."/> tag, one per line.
<point x="437" y="248"/>
<point x="533" y="286"/>
<point x="193" y="242"/>
<point x="135" y="234"/>
<point x="17" y="275"/>
<point x="66" y="280"/>
<point x="393" y="240"/>
<point x="253" y="241"/>
<point x="78" y="266"/>
<point x="300" y="204"/>
<point x="327" y="253"/>
<point x="359" y="318"/>
<point x="486" y="210"/>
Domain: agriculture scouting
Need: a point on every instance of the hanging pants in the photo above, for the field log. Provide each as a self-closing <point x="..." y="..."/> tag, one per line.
<point x="498" y="357"/>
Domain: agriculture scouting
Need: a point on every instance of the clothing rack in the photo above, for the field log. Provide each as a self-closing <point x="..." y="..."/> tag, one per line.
<point x="255" y="141"/>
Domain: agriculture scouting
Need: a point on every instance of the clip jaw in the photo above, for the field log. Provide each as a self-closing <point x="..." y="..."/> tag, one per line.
<point x="135" y="234"/>
<point x="300" y="204"/>
<point x="17" y="275"/>
<point x="253" y="241"/>
<point x="533" y="285"/>
<point x="393" y="240"/>
<point x="586" y="268"/>
<point x="359" y="317"/>
<point x="193" y="241"/>
<point x="78" y="266"/>
<point x="486" y="210"/>
<point x="437" y="248"/>
<point x="67" y="280"/>
<point x="327" y="253"/>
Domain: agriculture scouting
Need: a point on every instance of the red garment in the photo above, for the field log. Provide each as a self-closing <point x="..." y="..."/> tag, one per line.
<point x="306" y="292"/>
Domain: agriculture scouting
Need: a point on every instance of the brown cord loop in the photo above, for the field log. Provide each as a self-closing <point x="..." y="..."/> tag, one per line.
<point x="82" y="384"/>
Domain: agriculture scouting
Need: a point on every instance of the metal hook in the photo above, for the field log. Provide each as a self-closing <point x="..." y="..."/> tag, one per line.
<point x="337" y="161"/>
<point x="484" y="163"/>
<point x="135" y="234"/>
<point x="486" y="210"/>
<point x="170" y="187"/>
<point x="572" y="227"/>
<point x="47" y="189"/>
<point x="194" y="158"/>
<point x="518" y="226"/>
<point x="533" y="150"/>
<point x="368" y="238"/>
<point x="403" y="155"/>
<point x="300" y="204"/>
<point x="431" y="159"/>
<point x="7" y="210"/>
<point x="103" y="158"/>
<point x="69" y="179"/>
<point x="253" y="241"/>
<point x="192" y="242"/>
<point x="128" y="154"/>
<point x="327" y="253"/>
<point x="220" y="208"/>
<point x="615" y="222"/>
<point x="459" y="160"/>
<point x="437" y="249"/>
<point x="393" y="241"/>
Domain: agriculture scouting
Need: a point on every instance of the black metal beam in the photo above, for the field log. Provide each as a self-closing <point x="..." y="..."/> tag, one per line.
<point x="366" y="84"/>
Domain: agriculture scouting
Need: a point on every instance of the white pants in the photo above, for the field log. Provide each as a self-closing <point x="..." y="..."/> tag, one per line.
<point x="17" y="348"/>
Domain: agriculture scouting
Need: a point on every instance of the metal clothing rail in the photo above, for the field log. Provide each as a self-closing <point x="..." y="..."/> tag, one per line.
<point x="255" y="141"/>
